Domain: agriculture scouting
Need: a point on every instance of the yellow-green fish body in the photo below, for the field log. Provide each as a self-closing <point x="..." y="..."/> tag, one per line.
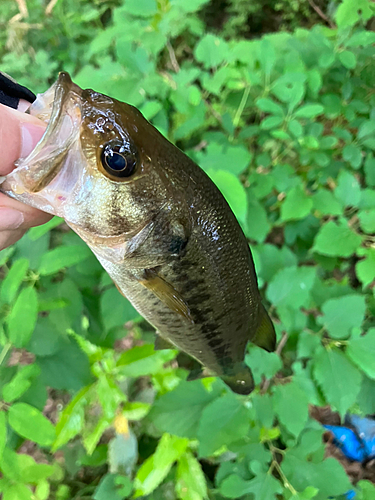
<point x="155" y="221"/>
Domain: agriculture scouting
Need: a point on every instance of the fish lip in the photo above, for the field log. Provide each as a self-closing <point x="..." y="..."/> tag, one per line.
<point x="33" y="173"/>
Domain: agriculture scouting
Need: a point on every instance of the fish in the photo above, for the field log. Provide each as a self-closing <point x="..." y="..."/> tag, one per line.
<point x="156" y="222"/>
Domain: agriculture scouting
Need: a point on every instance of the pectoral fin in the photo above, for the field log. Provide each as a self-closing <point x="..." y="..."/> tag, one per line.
<point x="166" y="293"/>
<point x="265" y="336"/>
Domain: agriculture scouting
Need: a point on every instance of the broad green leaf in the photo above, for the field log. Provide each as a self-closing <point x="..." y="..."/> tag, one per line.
<point x="349" y="12"/>
<point x="263" y="487"/>
<point x="20" y="382"/>
<point x="369" y="168"/>
<point x="257" y="221"/>
<point x="325" y="203"/>
<point x="13" y="280"/>
<point x="179" y="411"/>
<point x="262" y="363"/>
<point x="211" y="51"/>
<point x="336" y="239"/>
<point x="3" y="432"/>
<point x="297" y="204"/>
<point x="353" y="155"/>
<point x="361" y="350"/>
<point x="143" y="360"/>
<point x="143" y="8"/>
<point x="223" y="421"/>
<point x="269" y="106"/>
<point x="156" y="467"/>
<point x="31" y="424"/>
<point x="61" y="257"/>
<point x="309" y="111"/>
<point x="113" y="487"/>
<point x="23" y="316"/>
<point x="190" y="480"/>
<point x="291" y="287"/>
<point x="18" y="491"/>
<point x="234" y="159"/>
<point x="267" y="56"/>
<point x="348" y="59"/>
<point x="338" y="378"/>
<point x="115" y="309"/>
<point x="233" y="191"/>
<point x="327" y="476"/>
<point x="291" y="406"/>
<point x="343" y="314"/>
<point x="348" y="190"/>
<point x="135" y="410"/>
<point x="365" y="269"/>
<point x="37" y="232"/>
<point x="367" y="220"/>
<point x="271" y="122"/>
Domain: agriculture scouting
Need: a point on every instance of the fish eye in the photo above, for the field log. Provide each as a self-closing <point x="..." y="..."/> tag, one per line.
<point x="118" y="159"/>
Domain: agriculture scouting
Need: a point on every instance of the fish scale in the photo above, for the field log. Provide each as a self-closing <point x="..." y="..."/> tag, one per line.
<point x="163" y="231"/>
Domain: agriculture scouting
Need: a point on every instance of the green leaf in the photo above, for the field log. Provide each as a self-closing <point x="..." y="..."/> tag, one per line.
<point x="115" y="309"/>
<point x="291" y="406"/>
<point x="37" y="232"/>
<point x="143" y="360"/>
<point x="22" y="318"/>
<point x="263" y="487"/>
<point x="365" y="269"/>
<point x="343" y="314"/>
<point x="20" y="382"/>
<point x="369" y="167"/>
<point x="232" y="190"/>
<point x="269" y="106"/>
<point x="348" y="59"/>
<point x="18" y="492"/>
<point x="31" y="424"/>
<point x="291" y="287"/>
<point x="156" y="467"/>
<point x="267" y="56"/>
<point x="271" y="122"/>
<point x="367" y="220"/>
<point x="309" y="111"/>
<point x="353" y="155"/>
<point x="3" y="432"/>
<point x="257" y="221"/>
<point x="338" y="378"/>
<point x="13" y="280"/>
<point x="325" y="203"/>
<point x="113" y="487"/>
<point x="142" y="8"/>
<point x="336" y="239"/>
<point x="348" y="190"/>
<point x="327" y="476"/>
<point x="179" y="411"/>
<point x="223" y="421"/>
<point x="190" y="480"/>
<point x="349" y="12"/>
<point x="61" y="257"/>
<point x="72" y="418"/>
<point x="211" y="51"/>
<point x="297" y="204"/>
<point x="361" y="350"/>
<point x="234" y="159"/>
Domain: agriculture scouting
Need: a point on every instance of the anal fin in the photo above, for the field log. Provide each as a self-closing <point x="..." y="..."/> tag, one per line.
<point x="265" y="336"/>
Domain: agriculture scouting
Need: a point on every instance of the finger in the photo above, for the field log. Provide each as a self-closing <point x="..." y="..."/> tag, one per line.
<point x="19" y="134"/>
<point x="8" y="238"/>
<point x="16" y="215"/>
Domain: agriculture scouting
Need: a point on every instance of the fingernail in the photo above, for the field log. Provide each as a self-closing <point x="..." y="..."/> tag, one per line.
<point x="31" y="135"/>
<point x="10" y="219"/>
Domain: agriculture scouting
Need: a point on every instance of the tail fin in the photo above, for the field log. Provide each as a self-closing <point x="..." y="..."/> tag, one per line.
<point x="265" y="336"/>
<point x="240" y="379"/>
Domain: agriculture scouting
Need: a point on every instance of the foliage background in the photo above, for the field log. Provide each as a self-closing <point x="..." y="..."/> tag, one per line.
<point x="284" y="123"/>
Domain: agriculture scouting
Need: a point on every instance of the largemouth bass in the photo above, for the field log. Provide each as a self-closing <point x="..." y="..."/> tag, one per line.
<point x="155" y="221"/>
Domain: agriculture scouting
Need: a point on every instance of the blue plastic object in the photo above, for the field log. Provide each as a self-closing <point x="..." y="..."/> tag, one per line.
<point x="365" y="429"/>
<point x="349" y="495"/>
<point x="348" y="442"/>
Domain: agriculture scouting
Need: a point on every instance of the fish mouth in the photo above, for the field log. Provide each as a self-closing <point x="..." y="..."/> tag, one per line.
<point x="60" y="108"/>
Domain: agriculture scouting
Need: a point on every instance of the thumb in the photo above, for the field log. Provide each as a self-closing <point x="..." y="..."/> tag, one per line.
<point x="19" y="134"/>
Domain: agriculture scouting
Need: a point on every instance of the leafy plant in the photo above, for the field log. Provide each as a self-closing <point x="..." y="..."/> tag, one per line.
<point x="285" y="126"/>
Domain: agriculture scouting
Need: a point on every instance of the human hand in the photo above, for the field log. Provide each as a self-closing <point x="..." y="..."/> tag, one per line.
<point x="19" y="134"/>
